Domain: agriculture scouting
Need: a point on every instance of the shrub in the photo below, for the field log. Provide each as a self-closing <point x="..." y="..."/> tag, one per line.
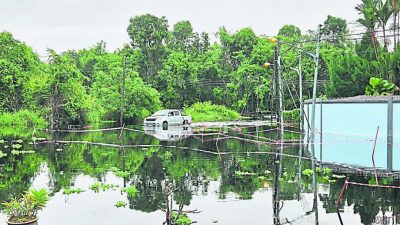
<point x="379" y="86"/>
<point x="22" y="118"/>
<point x="206" y="111"/>
<point x="292" y="116"/>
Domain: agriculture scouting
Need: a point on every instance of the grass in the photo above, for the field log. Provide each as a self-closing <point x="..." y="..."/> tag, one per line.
<point x="207" y="112"/>
<point x="22" y="118"/>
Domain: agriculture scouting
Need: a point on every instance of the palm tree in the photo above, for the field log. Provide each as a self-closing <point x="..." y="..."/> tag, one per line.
<point x="383" y="13"/>
<point x="395" y="13"/>
<point x="369" y="19"/>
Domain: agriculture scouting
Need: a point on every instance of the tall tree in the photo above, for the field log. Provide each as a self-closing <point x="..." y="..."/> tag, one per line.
<point x="335" y="29"/>
<point x="290" y="31"/>
<point x="367" y="9"/>
<point x="384" y="11"/>
<point x="149" y="33"/>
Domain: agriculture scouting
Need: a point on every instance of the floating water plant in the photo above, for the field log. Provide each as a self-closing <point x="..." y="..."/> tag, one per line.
<point x="70" y="191"/>
<point x="34" y="139"/>
<point x="120" y="204"/>
<point x="2" y="154"/>
<point x="96" y="187"/>
<point x="17" y="152"/>
<point x="181" y="218"/>
<point x="131" y="191"/>
<point x="244" y="173"/>
<point x="16" y="146"/>
<point x="120" y="173"/>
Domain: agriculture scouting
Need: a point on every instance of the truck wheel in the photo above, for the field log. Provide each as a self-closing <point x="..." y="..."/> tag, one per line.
<point x="165" y="124"/>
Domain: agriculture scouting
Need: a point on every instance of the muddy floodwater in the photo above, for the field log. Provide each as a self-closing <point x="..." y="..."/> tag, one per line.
<point x="225" y="175"/>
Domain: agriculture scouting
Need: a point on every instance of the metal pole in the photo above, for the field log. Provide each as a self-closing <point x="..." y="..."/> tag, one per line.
<point x="320" y="135"/>
<point x="121" y="120"/>
<point x="280" y="91"/>
<point x="390" y="135"/>
<point x="301" y="94"/>
<point x="316" y="59"/>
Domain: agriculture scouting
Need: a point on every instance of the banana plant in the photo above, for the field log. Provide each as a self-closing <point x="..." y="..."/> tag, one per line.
<point x="379" y="86"/>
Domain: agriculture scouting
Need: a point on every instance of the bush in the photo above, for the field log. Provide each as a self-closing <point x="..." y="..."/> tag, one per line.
<point x="22" y="118"/>
<point x="292" y="116"/>
<point x="206" y="111"/>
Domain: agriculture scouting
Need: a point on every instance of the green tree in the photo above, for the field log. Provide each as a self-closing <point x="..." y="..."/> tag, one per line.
<point x="18" y="63"/>
<point x="335" y="29"/>
<point x="149" y="34"/>
<point x="290" y="31"/>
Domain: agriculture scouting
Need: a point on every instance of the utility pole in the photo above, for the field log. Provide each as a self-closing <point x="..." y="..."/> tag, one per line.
<point x="316" y="60"/>
<point x="121" y="120"/>
<point x="276" y="85"/>
<point x="280" y="91"/>
<point x="301" y="94"/>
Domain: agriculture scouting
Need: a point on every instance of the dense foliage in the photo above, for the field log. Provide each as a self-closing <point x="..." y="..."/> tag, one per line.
<point x="177" y="67"/>
<point x="209" y="112"/>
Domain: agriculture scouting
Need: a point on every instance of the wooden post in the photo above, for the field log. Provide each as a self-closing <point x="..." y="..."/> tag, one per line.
<point x="390" y="135"/>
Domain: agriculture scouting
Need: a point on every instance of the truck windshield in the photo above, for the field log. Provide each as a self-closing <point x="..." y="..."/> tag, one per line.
<point x="161" y="113"/>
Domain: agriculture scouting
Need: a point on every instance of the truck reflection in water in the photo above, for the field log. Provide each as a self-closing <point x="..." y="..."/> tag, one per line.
<point x="170" y="133"/>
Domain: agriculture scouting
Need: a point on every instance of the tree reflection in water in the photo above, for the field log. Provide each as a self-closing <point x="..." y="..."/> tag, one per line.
<point x="190" y="172"/>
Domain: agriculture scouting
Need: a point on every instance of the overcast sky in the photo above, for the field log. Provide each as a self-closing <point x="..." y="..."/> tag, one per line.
<point x="76" y="24"/>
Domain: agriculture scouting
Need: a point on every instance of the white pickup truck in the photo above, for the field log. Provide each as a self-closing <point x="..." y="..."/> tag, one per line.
<point x="168" y="117"/>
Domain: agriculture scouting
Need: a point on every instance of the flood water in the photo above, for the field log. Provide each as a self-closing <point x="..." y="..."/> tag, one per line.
<point x="220" y="176"/>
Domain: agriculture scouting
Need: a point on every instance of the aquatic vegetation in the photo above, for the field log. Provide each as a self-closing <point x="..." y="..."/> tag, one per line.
<point x="70" y="191"/>
<point x="34" y="139"/>
<point x="131" y="191"/>
<point x="2" y="154"/>
<point x="338" y="176"/>
<point x="1" y="141"/>
<point x="16" y="146"/>
<point x="17" y="152"/>
<point x="120" y="204"/>
<point x="244" y="173"/>
<point x="120" y="173"/>
<point x="181" y="218"/>
<point x="96" y="187"/>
